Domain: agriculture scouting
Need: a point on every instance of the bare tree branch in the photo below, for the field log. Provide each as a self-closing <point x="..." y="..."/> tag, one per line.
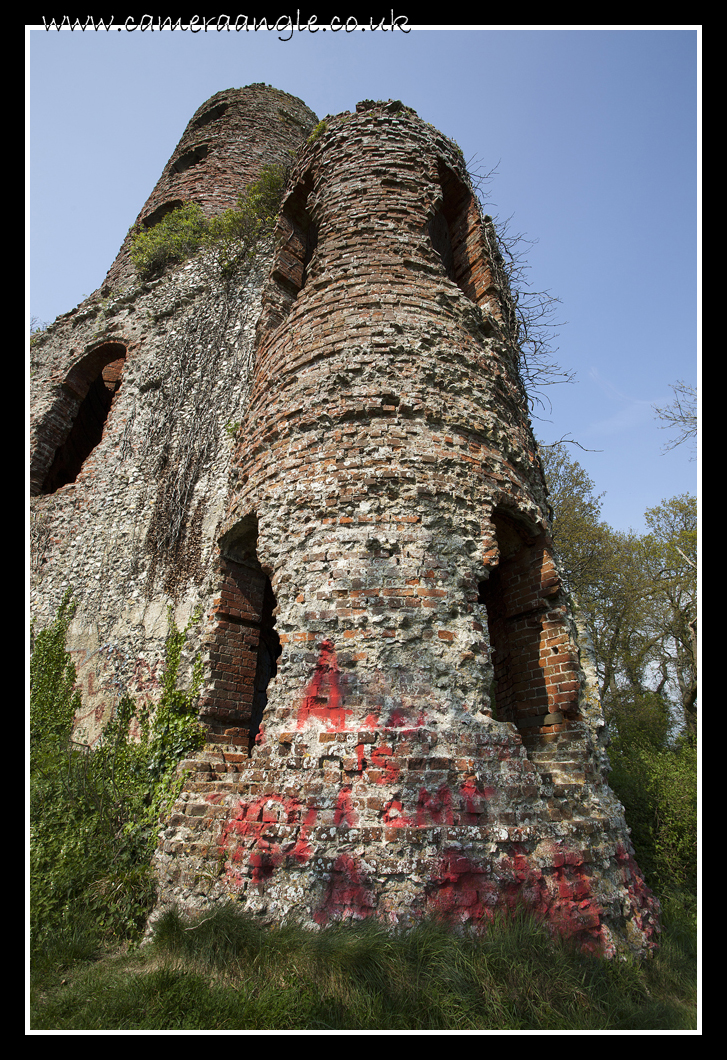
<point x="680" y="414"/>
<point x="531" y="323"/>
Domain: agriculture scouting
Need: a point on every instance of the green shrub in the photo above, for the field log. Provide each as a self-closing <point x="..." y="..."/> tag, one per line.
<point x="175" y="238"/>
<point x="231" y="236"/>
<point x="235" y="234"/>
<point x="658" y="788"/>
<point x="320" y="128"/>
<point x="94" y="812"/>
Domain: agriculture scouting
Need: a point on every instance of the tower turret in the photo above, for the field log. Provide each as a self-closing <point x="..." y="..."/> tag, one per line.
<point x="419" y="738"/>
<point x="223" y="150"/>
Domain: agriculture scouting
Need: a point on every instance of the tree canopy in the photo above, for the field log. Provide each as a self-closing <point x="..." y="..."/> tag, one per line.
<point x="637" y="596"/>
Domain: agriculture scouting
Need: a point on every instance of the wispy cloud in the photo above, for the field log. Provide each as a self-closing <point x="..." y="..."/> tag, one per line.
<point x="630" y="413"/>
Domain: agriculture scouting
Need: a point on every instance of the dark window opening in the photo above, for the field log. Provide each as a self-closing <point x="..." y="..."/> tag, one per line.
<point x="245" y="644"/>
<point x="300" y="238"/>
<point x="190" y="158"/>
<point x="449" y="229"/>
<point x="269" y="650"/>
<point x="210" y="115"/>
<point x="78" y="419"/>
<point x="161" y="212"/>
<point x="297" y="238"/>
<point x="457" y="234"/>
<point x="515" y="613"/>
<point x="442" y="242"/>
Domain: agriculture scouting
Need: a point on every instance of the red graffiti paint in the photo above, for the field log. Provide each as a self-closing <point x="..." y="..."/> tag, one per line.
<point x="434" y="808"/>
<point x="347" y="893"/>
<point x="400" y="718"/>
<point x="264" y="861"/>
<point x="244" y="836"/>
<point x="463" y="890"/>
<point x="381" y="759"/>
<point x="644" y="902"/>
<point x="323" y="698"/>
<point x="394" y="816"/>
<point x="345" y="812"/>
<point x="459" y="889"/>
<point x="563" y="899"/>
<point x="396" y="719"/>
<point x="474" y="801"/>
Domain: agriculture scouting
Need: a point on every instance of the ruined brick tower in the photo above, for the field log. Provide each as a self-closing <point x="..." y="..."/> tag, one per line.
<point x="331" y="455"/>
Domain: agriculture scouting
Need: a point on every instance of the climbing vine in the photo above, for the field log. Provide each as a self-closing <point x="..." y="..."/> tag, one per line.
<point x="206" y="355"/>
<point x="204" y="359"/>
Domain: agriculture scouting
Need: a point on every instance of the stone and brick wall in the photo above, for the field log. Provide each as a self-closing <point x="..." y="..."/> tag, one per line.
<point x="400" y="715"/>
<point x="174" y="356"/>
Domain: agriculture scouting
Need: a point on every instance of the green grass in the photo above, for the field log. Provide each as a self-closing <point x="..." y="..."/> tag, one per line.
<point x="224" y="971"/>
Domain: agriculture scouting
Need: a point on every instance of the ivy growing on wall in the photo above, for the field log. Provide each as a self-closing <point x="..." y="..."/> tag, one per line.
<point x="206" y="357"/>
<point x="94" y="812"/>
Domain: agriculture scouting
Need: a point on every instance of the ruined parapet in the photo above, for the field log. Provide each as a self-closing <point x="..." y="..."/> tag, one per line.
<point x="228" y="142"/>
<point x="399" y="720"/>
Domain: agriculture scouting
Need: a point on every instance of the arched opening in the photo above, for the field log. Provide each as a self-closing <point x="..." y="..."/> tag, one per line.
<point x="190" y="158"/>
<point x="449" y="229"/>
<point x="76" y="423"/>
<point x="297" y="238"/>
<point x="535" y="680"/>
<point x="161" y="212"/>
<point x="301" y="238"/>
<point x="244" y="645"/>
<point x="462" y="242"/>
<point x="210" y="115"/>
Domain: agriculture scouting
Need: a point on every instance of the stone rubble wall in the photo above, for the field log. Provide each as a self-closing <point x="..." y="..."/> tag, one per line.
<point x="92" y="535"/>
<point x="388" y="470"/>
<point x="178" y="352"/>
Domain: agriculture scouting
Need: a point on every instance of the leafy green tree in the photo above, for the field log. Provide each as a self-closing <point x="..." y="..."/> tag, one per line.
<point x="579" y="535"/>
<point x="637" y="595"/>
<point x="670" y="557"/>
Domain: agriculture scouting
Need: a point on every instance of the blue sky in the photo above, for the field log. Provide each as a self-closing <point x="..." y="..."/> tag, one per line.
<point x="595" y="133"/>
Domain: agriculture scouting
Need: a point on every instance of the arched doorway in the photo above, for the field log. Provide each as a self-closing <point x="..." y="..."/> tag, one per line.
<point x="76" y="422"/>
<point x="244" y="645"/>
<point x="536" y="675"/>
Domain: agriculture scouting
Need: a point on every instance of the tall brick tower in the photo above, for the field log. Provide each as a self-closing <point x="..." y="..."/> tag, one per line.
<point x="401" y="718"/>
